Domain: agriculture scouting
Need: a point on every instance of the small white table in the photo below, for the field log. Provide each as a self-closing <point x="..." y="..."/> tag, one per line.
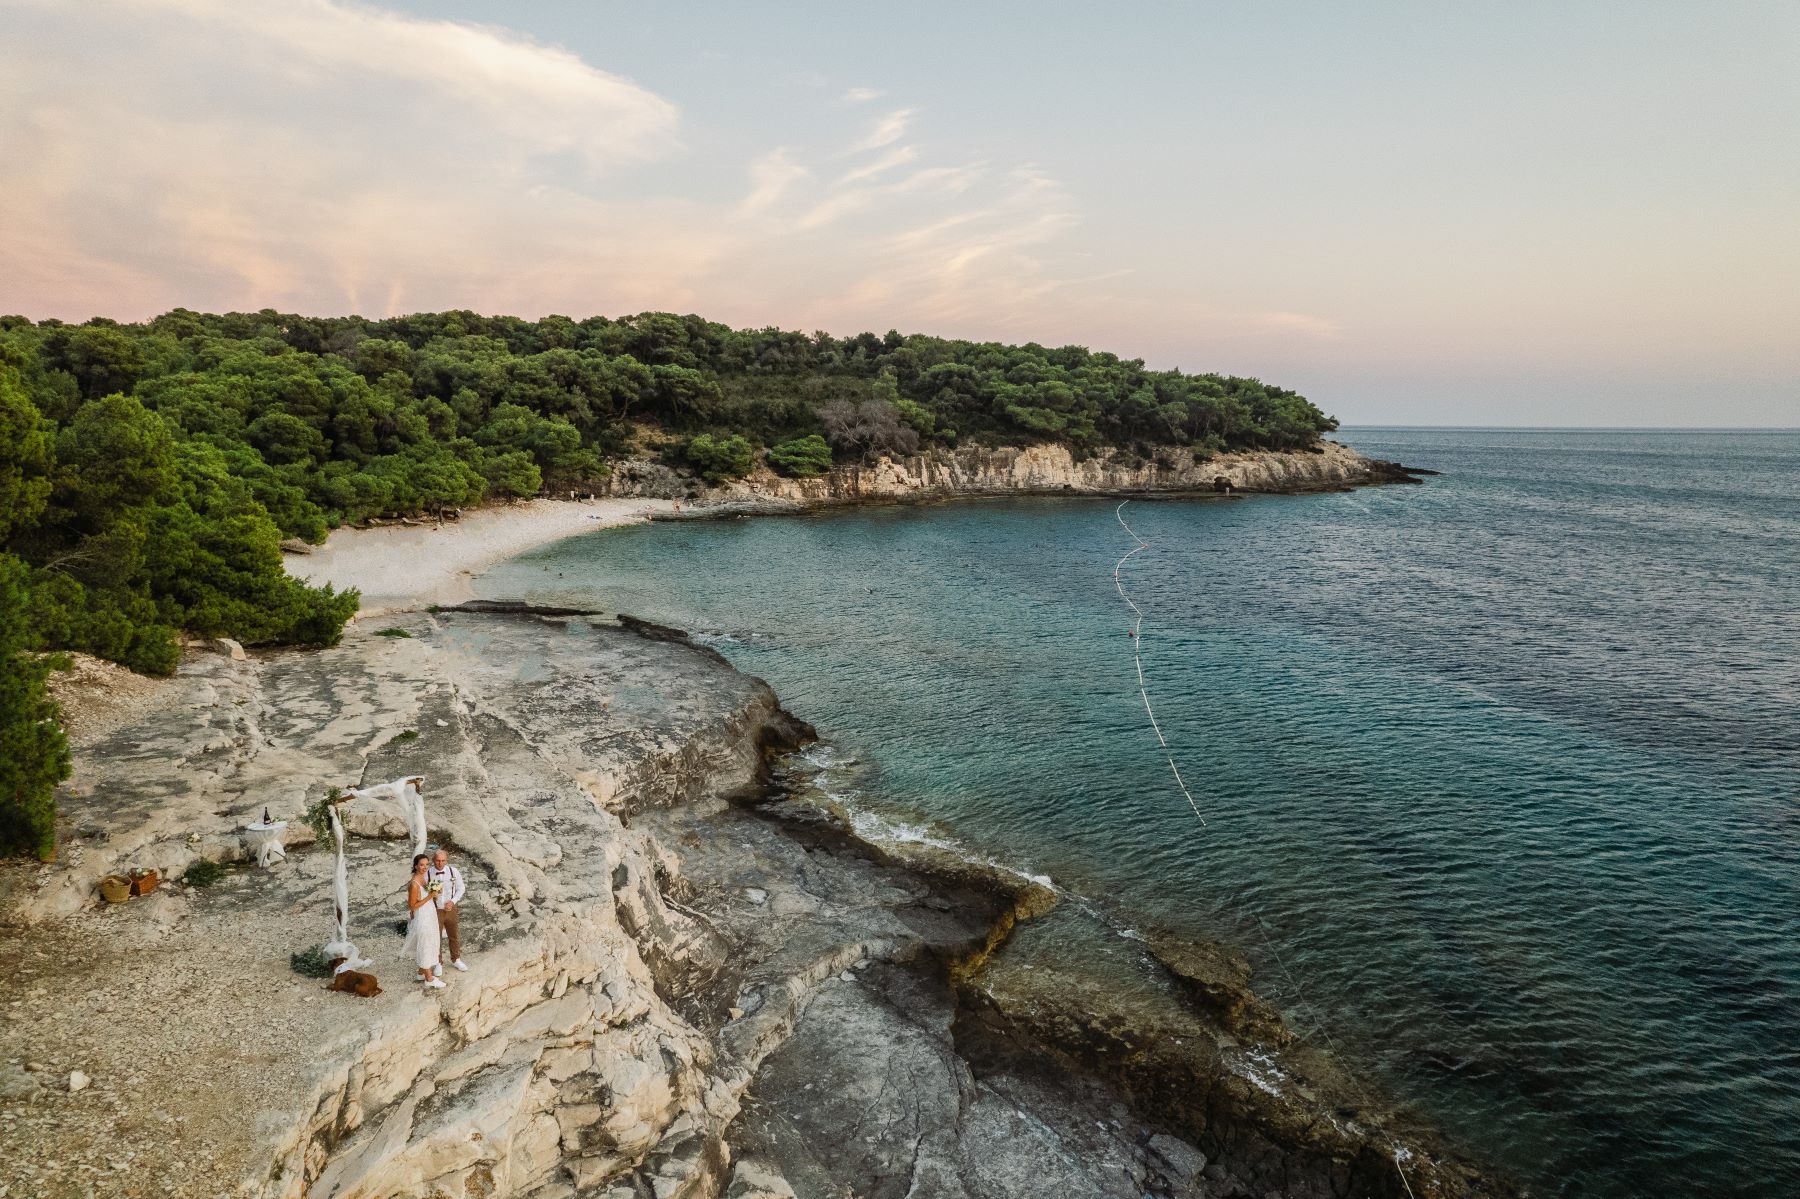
<point x="265" y="839"/>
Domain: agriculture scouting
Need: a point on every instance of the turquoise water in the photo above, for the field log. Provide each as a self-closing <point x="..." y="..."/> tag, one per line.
<point x="1506" y="764"/>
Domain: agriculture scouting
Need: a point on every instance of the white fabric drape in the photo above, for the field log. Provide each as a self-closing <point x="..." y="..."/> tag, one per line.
<point x="412" y="809"/>
<point x="340" y="945"/>
<point x="412" y="801"/>
<point x="412" y="805"/>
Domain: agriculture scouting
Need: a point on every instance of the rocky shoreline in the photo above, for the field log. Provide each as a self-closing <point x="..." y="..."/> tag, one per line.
<point x="1028" y="470"/>
<point x="690" y="979"/>
<point x="406" y="566"/>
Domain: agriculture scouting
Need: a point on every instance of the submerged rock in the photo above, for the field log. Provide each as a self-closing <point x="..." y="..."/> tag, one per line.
<point x="1219" y="982"/>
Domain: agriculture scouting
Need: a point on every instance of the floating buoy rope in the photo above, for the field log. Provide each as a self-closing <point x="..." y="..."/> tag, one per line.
<point x="1137" y="660"/>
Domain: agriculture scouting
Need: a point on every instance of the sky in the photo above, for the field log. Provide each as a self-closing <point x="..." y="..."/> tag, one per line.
<point x="1572" y="213"/>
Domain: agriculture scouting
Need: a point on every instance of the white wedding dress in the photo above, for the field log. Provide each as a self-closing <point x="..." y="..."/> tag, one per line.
<point x="422" y="934"/>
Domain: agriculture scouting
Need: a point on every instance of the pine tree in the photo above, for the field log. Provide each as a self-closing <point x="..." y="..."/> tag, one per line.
<point x="34" y="756"/>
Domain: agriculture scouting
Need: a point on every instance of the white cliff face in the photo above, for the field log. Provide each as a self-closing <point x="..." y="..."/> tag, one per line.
<point x="1051" y="468"/>
<point x="1039" y="469"/>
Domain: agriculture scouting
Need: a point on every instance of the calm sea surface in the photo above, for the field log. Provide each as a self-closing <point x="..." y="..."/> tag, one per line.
<point x="1507" y="764"/>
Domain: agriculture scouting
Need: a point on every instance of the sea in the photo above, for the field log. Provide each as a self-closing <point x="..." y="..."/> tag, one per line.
<point x="1496" y="779"/>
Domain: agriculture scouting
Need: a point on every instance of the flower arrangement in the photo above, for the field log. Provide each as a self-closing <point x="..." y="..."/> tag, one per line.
<point x="318" y="816"/>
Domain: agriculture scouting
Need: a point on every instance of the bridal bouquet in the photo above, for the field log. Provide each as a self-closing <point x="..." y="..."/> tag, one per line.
<point x="433" y="887"/>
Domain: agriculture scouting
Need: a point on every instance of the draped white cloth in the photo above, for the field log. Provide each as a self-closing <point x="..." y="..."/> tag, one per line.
<point x="265" y="841"/>
<point x="421" y="943"/>
<point x="340" y="945"/>
<point x="412" y="802"/>
<point x="412" y="805"/>
<point x="422" y="933"/>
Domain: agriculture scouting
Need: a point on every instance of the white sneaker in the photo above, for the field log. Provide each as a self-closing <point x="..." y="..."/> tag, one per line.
<point x="460" y="964"/>
<point x="437" y="983"/>
<point x="438" y="970"/>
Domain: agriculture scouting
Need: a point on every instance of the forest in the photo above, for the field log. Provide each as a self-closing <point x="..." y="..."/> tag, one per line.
<point x="149" y="472"/>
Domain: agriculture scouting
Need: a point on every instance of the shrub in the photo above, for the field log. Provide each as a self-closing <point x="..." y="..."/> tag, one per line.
<point x="203" y="873"/>
<point x="310" y="962"/>
<point x="803" y="457"/>
<point x="393" y="633"/>
<point x="720" y="458"/>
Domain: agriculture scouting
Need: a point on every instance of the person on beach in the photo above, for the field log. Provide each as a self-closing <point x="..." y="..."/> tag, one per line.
<point x="422" y="921"/>
<point x="450" y="881"/>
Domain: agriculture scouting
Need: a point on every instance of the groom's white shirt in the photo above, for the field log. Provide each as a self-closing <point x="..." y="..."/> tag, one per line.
<point x="452" y="879"/>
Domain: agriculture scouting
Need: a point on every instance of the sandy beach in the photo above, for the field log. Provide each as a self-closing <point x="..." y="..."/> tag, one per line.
<point x="399" y="567"/>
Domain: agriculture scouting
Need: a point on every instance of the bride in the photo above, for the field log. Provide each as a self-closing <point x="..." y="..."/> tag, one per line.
<point x="422" y="922"/>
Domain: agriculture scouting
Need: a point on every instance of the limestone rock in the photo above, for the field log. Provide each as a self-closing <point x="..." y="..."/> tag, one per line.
<point x="1184" y="1161"/>
<point x="1038" y="469"/>
<point x="632" y="1008"/>
<point x="16" y="1083"/>
<point x="753" y="1179"/>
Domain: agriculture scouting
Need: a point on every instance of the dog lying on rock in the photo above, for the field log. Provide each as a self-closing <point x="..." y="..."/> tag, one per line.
<point x="353" y="982"/>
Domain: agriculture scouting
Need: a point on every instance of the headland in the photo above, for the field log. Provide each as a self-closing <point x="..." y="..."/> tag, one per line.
<point x="690" y="977"/>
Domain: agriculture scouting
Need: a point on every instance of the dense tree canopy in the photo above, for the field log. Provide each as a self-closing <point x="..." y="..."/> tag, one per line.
<point x="34" y="757"/>
<point x="148" y="473"/>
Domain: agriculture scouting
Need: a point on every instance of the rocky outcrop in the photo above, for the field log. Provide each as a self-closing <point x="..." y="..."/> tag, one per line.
<point x="1027" y="470"/>
<point x="555" y="1065"/>
<point x="685" y="980"/>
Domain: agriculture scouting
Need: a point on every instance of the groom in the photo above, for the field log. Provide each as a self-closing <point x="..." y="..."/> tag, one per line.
<point x="448" y="901"/>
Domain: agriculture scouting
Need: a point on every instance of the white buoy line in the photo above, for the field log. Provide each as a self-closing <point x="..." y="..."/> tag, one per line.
<point x="1137" y="659"/>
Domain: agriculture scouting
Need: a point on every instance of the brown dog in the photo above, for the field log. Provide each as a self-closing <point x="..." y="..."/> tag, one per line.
<point x="353" y="982"/>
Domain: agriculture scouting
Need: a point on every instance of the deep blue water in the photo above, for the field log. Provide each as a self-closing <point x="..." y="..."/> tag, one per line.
<point x="1506" y="764"/>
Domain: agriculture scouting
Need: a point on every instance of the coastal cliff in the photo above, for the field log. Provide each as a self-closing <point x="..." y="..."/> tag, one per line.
<point x="687" y="977"/>
<point x="1028" y="470"/>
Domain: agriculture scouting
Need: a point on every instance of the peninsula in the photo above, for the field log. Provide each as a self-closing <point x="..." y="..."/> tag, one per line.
<point x="689" y="976"/>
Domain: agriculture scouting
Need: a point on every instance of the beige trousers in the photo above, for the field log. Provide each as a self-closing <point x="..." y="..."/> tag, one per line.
<point x="447" y="917"/>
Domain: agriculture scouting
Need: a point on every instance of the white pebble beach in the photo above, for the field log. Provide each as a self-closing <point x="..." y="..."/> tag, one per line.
<point x="403" y="566"/>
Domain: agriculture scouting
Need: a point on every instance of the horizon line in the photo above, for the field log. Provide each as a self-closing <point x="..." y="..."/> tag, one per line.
<point x="1581" y="428"/>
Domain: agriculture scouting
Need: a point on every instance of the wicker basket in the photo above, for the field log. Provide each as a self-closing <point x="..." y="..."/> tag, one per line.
<point x="144" y="881"/>
<point x="115" y="888"/>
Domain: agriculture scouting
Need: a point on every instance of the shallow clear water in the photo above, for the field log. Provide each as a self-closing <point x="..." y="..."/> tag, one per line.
<point x="1505" y="764"/>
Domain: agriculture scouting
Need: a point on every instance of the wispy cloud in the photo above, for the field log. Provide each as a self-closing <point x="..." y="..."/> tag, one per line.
<point x="886" y="131"/>
<point x="975" y="262"/>
<point x="328" y="157"/>
<point x="770" y="176"/>
<point x="544" y="95"/>
<point x="898" y="156"/>
<point x="861" y="95"/>
<point x="311" y="154"/>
